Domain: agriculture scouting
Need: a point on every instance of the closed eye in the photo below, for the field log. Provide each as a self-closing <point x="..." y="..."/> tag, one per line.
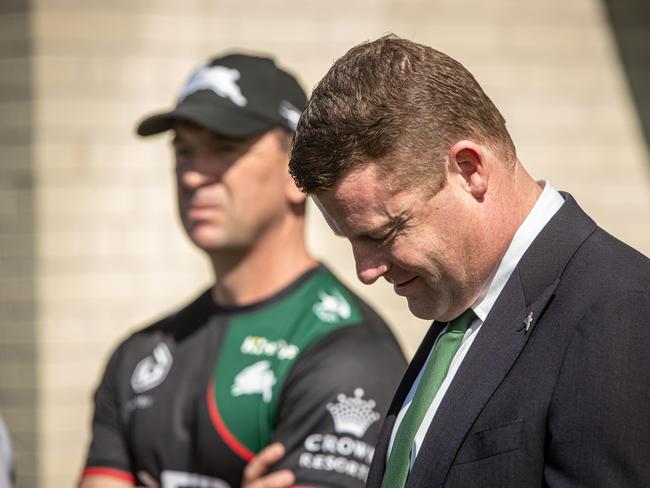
<point x="396" y="227"/>
<point x="385" y="238"/>
<point x="381" y="240"/>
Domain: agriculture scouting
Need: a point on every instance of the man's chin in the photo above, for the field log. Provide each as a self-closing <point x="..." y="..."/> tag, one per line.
<point x="422" y="309"/>
<point x="207" y="239"/>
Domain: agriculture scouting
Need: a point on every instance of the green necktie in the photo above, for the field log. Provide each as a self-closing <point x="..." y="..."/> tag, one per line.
<point x="434" y="374"/>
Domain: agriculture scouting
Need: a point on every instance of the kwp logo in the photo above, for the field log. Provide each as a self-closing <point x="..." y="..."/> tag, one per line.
<point x="291" y="113"/>
<point x="332" y="307"/>
<point x="256" y="379"/>
<point x="219" y="79"/>
<point x="353" y="415"/>
<point x="152" y="370"/>
<point x="261" y="346"/>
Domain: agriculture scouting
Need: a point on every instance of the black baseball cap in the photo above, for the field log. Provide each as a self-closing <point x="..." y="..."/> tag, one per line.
<point x="236" y="95"/>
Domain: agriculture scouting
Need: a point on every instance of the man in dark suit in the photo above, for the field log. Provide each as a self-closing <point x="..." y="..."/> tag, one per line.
<point x="535" y="370"/>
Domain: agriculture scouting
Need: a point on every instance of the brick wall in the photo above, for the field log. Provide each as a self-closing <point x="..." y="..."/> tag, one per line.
<point x="19" y="393"/>
<point x="91" y="247"/>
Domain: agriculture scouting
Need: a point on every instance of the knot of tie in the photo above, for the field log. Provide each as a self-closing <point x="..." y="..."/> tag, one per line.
<point x="462" y="322"/>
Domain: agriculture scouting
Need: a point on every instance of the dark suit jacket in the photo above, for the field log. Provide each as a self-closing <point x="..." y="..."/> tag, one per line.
<point x="566" y="403"/>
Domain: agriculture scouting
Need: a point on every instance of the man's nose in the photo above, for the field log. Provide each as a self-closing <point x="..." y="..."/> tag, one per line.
<point x="370" y="261"/>
<point x="196" y="176"/>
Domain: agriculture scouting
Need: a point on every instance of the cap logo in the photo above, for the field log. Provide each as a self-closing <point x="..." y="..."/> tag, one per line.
<point x="220" y="80"/>
<point x="290" y="113"/>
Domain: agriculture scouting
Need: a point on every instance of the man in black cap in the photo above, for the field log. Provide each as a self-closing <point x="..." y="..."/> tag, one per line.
<point x="277" y="350"/>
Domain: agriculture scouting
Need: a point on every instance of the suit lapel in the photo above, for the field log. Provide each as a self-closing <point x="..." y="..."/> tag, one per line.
<point x="500" y="341"/>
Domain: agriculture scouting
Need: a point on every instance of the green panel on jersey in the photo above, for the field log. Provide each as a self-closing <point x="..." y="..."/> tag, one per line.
<point x="261" y="347"/>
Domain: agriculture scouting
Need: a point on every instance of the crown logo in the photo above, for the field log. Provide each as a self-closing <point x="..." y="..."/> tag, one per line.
<point x="353" y="415"/>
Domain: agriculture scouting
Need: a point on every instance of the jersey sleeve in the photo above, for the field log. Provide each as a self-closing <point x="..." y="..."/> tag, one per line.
<point x="333" y="404"/>
<point x="108" y="453"/>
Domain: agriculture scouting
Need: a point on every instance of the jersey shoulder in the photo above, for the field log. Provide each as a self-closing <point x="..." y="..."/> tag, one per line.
<point x="183" y="321"/>
<point x="160" y="335"/>
<point x="317" y="306"/>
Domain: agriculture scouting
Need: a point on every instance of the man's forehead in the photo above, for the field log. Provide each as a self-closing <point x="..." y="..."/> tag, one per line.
<point x="355" y="203"/>
<point x="346" y="191"/>
<point x="366" y="182"/>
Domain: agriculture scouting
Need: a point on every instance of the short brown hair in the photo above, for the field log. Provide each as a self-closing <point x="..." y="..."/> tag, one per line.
<point x="392" y="96"/>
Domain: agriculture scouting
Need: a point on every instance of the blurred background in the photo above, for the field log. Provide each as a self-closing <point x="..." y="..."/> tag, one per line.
<point x="90" y="246"/>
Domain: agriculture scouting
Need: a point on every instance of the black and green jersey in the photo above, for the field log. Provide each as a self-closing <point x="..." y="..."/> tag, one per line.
<point x="188" y="401"/>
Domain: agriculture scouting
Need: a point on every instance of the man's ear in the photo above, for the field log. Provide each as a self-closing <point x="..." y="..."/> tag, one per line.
<point x="293" y="194"/>
<point x="468" y="161"/>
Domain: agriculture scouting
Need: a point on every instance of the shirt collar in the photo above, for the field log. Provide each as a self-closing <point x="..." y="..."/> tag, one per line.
<point x="545" y="207"/>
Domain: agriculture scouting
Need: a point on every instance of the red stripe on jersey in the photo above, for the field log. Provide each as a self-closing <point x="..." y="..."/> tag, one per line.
<point x="231" y="441"/>
<point x="112" y="472"/>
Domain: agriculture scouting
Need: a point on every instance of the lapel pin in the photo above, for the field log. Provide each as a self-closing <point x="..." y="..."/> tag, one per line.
<point x="527" y="321"/>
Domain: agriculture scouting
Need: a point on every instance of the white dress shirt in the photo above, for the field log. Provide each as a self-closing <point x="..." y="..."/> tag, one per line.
<point x="547" y="204"/>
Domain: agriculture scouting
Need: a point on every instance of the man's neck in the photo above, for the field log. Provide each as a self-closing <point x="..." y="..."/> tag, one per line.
<point x="246" y="276"/>
<point x="515" y="195"/>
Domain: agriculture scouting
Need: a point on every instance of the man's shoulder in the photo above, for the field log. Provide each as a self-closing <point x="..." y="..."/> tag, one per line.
<point x="171" y="326"/>
<point x="323" y="304"/>
<point x="363" y="335"/>
<point x="605" y="285"/>
<point x="609" y="264"/>
<point x="588" y="260"/>
<point x="155" y="347"/>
